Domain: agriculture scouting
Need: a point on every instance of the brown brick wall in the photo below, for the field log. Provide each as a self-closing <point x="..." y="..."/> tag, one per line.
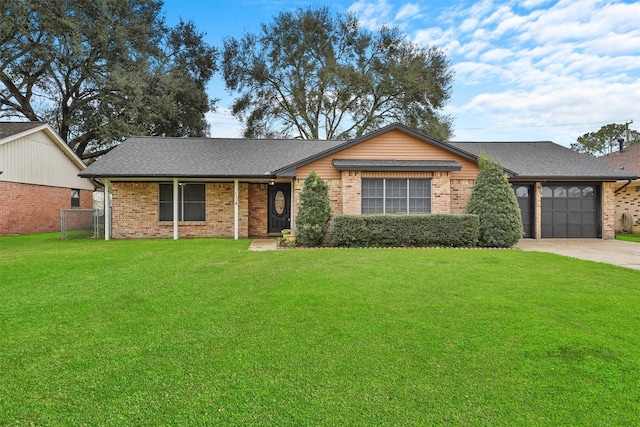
<point x="628" y="201"/>
<point x="608" y="210"/>
<point x="135" y="212"/>
<point x="461" y="190"/>
<point x="30" y="208"/>
<point x="258" y="214"/>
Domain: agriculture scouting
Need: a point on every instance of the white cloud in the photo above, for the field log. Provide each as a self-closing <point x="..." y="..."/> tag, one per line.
<point x="408" y="11"/>
<point x="496" y="55"/>
<point x="372" y="14"/>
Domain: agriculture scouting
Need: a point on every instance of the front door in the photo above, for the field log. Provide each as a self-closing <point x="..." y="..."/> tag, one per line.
<point x="279" y="207"/>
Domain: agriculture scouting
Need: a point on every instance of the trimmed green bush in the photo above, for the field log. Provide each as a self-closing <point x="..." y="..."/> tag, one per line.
<point x="495" y="203"/>
<point x="314" y="214"/>
<point x="405" y="230"/>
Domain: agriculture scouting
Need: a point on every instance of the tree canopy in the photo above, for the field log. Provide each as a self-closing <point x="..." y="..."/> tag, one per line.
<point x="100" y="70"/>
<point x="605" y="140"/>
<point x="311" y="74"/>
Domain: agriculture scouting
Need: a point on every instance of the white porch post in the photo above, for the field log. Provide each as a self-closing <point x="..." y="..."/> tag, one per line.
<point x="175" y="208"/>
<point x="292" y="221"/>
<point x="235" y="210"/>
<point x="107" y="209"/>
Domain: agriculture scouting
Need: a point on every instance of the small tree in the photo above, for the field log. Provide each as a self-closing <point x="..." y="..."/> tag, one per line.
<point x="494" y="201"/>
<point x="314" y="214"/>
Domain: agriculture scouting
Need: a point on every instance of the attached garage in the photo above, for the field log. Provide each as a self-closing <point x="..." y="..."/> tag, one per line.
<point x="571" y="211"/>
<point x="561" y="193"/>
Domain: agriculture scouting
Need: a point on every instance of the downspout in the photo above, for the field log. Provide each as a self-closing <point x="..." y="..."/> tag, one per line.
<point x="107" y="209"/>
<point x="175" y="208"/>
<point x="236" y="220"/>
<point x="623" y="187"/>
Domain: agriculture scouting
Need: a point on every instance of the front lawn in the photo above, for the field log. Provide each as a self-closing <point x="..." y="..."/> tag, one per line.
<point x="204" y="332"/>
<point x="629" y="237"/>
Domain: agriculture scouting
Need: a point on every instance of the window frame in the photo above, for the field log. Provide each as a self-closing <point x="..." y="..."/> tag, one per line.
<point x="373" y="202"/>
<point x="166" y="215"/>
<point x="75" y="198"/>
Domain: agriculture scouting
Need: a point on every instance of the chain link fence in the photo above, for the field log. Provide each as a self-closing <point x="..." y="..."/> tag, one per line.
<point x="79" y="223"/>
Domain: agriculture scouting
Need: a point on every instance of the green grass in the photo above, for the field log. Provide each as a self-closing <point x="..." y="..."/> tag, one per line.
<point x="204" y="332"/>
<point x="629" y="237"/>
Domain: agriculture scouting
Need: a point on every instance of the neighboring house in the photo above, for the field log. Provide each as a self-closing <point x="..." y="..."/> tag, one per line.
<point x="183" y="187"/>
<point x="38" y="178"/>
<point x="627" y="195"/>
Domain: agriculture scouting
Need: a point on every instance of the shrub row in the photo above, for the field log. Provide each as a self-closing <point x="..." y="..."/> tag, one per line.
<point x="405" y="230"/>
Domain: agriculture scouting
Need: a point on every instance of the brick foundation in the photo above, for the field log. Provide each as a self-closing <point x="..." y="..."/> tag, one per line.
<point x="30" y="208"/>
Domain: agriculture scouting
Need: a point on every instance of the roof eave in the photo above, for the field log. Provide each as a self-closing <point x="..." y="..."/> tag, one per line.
<point x="573" y="178"/>
<point x="187" y="176"/>
<point x="400" y="168"/>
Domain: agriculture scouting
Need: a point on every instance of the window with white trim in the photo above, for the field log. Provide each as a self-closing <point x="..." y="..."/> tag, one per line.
<point x="191" y="201"/>
<point x="396" y="196"/>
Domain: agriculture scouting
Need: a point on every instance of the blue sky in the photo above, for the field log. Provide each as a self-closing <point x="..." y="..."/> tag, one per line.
<point x="525" y="70"/>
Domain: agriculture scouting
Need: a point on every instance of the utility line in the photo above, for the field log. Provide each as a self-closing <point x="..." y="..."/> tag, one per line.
<point x="539" y="126"/>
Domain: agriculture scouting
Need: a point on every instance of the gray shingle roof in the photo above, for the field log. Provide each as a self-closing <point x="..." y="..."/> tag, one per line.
<point x="544" y="160"/>
<point x="203" y="157"/>
<point x="253" y="158"/>
<point x="8" y="129"/>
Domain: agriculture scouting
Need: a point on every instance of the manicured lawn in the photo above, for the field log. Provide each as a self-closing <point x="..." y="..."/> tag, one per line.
<point x="204" y="332"/>
<point x="629" y="237"/>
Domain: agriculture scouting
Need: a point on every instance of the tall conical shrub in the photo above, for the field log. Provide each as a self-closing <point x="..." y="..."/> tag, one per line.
<point x="314" y="213"/>
<point x="495" y="203"/>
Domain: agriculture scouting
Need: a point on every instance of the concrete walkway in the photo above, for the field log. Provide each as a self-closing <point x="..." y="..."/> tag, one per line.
<point x="263" y="245"/>
<point x="616" y="252"/>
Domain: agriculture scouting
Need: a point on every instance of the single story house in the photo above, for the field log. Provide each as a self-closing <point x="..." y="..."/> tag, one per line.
<point x="627" y="196"/>
<point x="184" y="187"/>
<point x="38" y="178"/>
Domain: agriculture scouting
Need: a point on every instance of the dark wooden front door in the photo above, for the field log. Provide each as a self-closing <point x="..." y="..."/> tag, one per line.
<point x="279" y="207"/>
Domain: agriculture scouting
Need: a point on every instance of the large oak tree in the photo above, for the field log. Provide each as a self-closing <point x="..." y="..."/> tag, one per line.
<point x="311" y="74"/>
<point x="101" y="70"/>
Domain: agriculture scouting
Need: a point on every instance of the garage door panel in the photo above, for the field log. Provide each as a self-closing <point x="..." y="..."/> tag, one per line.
<point x="559" y="218"/>
<point x="589" y="205"/>
<point x="570" y="210"/>
<point x="574" y="231"/>
<point x="559" y="204"/>
<point x="574" y="205"/>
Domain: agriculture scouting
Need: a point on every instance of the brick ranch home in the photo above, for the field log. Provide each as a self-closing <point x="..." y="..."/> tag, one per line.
<point x="197" y="187"/>
<point x="38" y="178"/>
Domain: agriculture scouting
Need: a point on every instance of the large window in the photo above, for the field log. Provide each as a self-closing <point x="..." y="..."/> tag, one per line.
<point x="396" y="196"/>
<point x="191" y="201"/>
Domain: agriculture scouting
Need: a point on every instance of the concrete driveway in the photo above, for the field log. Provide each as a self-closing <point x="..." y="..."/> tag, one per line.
<point x="616" y="252"/>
